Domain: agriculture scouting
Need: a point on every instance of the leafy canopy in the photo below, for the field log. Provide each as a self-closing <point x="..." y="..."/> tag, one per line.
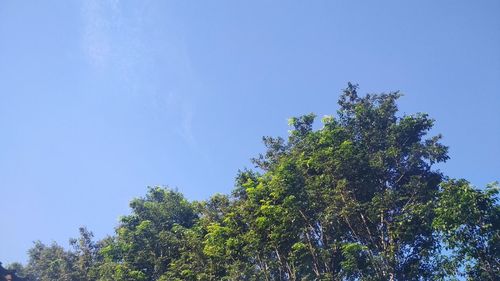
<point x="358" y="199"/>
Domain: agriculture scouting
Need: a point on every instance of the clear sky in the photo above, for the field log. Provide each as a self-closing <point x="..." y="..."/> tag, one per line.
<point x="101" y="98"/>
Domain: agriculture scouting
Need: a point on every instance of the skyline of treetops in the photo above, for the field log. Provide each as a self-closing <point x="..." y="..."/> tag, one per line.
<point x="359" y="198"/>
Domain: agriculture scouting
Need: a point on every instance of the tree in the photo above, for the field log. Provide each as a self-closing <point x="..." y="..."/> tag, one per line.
<point x="468" y="221"/>
<point x="352" y="200"/>
<point x="87" y="255"/>
<point x="149" y="239"/>
<point x="56" y="263"/>
<point x="47" y="263"/>
<point x="358" y="199"/>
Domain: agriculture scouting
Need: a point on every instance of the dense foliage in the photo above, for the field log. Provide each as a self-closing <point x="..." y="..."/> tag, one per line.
<point x="358" y="199"/>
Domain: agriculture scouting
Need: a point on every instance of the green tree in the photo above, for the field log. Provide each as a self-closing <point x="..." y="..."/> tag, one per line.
<point x="87" y="257"/>
<point x="352" y="200"/>
<point x="357" y="199"/>
<point x="468" y="220"/>
<point x="149" y="239"/>
<point x="17" y="268"/>
<point x="47" y="263"/>
<point x="56" y="263"/>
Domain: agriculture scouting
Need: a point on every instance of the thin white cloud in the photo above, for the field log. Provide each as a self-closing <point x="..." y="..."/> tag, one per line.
<point x="107" y="40"/>
<point x="96" y="29"/>
<point x="146" y="54"/>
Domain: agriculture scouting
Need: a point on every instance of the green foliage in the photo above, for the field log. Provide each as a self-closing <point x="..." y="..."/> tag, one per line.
<point x="51" y="263"/>
<point x="468" y="220"/>
<point x="150" y="239"/>
<point x="358" y="199"/>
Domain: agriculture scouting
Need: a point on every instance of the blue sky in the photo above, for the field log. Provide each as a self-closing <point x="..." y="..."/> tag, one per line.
<point x="100" y="99"/>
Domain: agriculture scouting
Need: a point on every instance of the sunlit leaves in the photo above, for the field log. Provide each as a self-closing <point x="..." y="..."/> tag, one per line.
<point x="358" y="199"/>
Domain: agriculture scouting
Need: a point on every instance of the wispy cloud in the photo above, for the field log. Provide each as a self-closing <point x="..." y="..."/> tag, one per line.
<point x="180" y="109"/>
<point x="98" y="20"/>
<point x="147" y="54"/>
<point x="111" y="41"/>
